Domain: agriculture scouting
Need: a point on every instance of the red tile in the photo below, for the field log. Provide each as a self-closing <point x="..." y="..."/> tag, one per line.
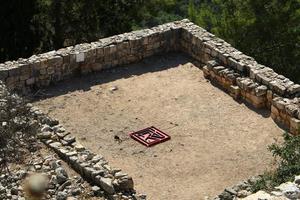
<point x="150" y="136"/>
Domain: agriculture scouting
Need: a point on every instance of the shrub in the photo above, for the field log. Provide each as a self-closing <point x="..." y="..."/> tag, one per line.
<point x="287" y="155"/>
<point x="17" y="128"/>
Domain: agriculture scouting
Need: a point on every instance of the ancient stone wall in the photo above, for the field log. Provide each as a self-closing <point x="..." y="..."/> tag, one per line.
<point x="92" y="167"/>
<point x="243" y="77"/>
<point x="240" y="75"/>
<point x="41" y="70"/>
<point x="256" y="83"/>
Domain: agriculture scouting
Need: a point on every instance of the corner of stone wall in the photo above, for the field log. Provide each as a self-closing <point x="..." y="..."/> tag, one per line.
<point x="92" y="167"/>
<point x="242" y="76"/>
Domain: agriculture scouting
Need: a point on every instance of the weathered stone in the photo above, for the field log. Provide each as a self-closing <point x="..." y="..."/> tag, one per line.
<point x="260" y="195"/>
<point x="44" y="135"/>
<point x="55" y="145"/>
<point x="61" y="195"/>
<point x="218" y="68"/>
<point x="69" y="139"/>
<point x="211" y="64"/>
<point x="61" y="175"/>
<point x="261" y="90"/>
<point x="80" y="57"/>
<point x="106" y="184"/>
<point x="297" y="180"/>
<point x="290" y="190"/>
<point x="291" y="109"/>
<point x="293" y="89"/>
<point x="96" y="190"/>
<point x="125" y="183"/>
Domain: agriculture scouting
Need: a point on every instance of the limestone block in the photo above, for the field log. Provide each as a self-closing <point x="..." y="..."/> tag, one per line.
<point x="280" y="104"/>
<point x="232" y="63"/>
<point x="211" y="64"/>
<point x="257" y="102"/>
<point x="293" y="89"/>
<point x="240" y="67"/>
<point x="125" y="183"/>
<point x="105" y="184"/>
<point x="292" y="109"/>
<point x="223" y="57"/>
<point x="290" y="190"/>
<point x="277" y="87"/>
<point x="259" y="195"/>
<point x="295" y="125"/>
<point x="261" y="90"/>
<point x="235" y="91"/>
<point x="55" y="61"/>
<point x="216" y="69"/>
<point x="79" y="57"/>
<point x="205" y="72"/>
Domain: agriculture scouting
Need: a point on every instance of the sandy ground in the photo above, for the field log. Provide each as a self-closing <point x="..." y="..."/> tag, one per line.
<point x="216" y="141"/>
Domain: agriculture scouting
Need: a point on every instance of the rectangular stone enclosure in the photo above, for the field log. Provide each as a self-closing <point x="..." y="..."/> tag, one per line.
<point x="241" y="75"/>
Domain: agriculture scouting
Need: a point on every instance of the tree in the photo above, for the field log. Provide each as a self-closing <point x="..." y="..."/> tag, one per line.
<point x="267" y="30"/>
<point x="17" y="37"/>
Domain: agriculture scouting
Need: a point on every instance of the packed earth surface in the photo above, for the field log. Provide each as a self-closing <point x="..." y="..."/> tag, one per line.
<point x="215" y="140"/>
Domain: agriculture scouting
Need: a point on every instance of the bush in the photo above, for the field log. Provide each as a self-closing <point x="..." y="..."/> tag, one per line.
<point x="287" y="155"/>
<point x="17" y="128"/>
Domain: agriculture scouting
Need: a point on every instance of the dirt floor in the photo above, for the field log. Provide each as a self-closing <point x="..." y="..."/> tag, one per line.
<point x="216" y="141"/>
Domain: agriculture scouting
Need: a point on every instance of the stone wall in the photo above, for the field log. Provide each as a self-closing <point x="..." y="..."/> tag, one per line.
<point x="243" y="77"/>
<point x="92" y="167"/>
<point x="40" y="70"/>
<point x="240" y="75"/>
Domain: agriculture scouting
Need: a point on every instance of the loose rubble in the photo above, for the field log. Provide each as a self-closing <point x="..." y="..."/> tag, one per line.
<point x="59" y="184"/>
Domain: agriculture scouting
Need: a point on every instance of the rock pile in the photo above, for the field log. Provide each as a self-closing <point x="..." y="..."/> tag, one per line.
<point x="285" y="191"/>
<point x="60" y="185"/>
<point x="242" y="191"/>
<point x="93" y="167"/>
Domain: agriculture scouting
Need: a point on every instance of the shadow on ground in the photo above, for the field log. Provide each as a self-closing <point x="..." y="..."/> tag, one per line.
<point x="85" y="82"/>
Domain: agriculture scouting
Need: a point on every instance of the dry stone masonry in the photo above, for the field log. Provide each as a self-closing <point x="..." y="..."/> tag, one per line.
<point x="240" y="75"/>
<point x="113" y="183"/>
<point x="93" y="167"/>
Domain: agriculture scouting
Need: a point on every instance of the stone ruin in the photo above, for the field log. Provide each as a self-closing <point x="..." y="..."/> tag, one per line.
<point x="238" y="74"/>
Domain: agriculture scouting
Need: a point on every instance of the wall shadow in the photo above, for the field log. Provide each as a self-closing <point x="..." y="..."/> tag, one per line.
<point x="85" y="82"/>
<point x="148" y="65"/>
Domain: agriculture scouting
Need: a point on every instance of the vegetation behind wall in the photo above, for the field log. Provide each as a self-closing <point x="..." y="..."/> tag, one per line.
<point x="267" y="30"/>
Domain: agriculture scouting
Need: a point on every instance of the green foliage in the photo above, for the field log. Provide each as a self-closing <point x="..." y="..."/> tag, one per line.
<point x="17" y="128"/>
<point x="36" y="26"/>
<point x="287" y="155"/>
<point x="268" y="30"/>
